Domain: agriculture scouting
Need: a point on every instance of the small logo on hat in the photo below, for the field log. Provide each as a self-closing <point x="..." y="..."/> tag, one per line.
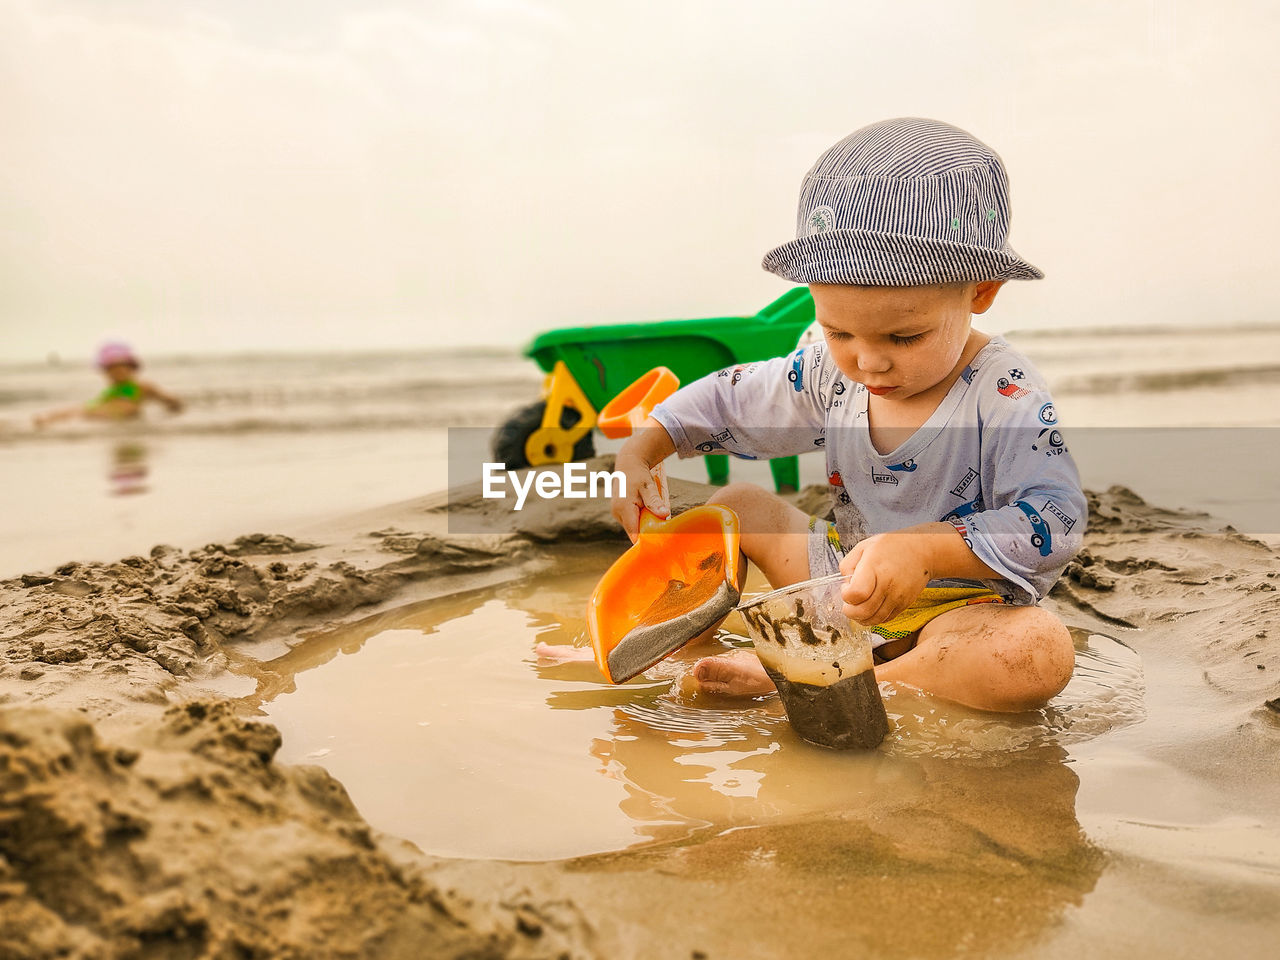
<point x="821" y="219"/>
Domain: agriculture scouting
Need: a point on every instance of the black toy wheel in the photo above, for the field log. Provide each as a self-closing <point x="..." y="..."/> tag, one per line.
<point x="509" y="439"/>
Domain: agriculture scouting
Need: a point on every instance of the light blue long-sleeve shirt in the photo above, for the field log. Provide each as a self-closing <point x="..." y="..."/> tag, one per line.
<point x="990" y="460"/>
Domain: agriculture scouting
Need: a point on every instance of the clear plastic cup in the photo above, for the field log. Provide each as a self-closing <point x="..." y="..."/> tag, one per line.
<point x="820" y="662"/>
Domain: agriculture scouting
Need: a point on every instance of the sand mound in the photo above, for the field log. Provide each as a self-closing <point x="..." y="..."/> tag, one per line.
<point x="184" y="839"/>
<point x="1195" y="588"/>
<point x="130" y="631"/>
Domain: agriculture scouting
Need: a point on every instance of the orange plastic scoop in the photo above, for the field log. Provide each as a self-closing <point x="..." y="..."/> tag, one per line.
<point x="678" y="578"/>
<point x="621" y="415"/>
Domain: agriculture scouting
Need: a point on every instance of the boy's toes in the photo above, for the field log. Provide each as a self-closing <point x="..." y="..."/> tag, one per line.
<point x="562" y="653"/>
<point x="731" y="676"/>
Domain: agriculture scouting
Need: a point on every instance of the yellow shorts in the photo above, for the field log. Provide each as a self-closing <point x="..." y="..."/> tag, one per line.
<point x="825" y="554"/>
<point x="930" y="603"/>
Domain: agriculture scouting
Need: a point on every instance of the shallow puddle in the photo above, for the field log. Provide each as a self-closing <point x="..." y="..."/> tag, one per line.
<point x="447" y="730"/>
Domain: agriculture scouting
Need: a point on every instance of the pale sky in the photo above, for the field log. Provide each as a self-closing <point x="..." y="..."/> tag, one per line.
<point x="198" y="175"/>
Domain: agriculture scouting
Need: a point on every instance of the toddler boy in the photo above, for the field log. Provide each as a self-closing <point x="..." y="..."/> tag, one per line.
<point x="957" y="504"/>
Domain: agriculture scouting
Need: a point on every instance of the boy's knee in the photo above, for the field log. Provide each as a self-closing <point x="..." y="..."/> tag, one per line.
<point x="1037" y="660"/>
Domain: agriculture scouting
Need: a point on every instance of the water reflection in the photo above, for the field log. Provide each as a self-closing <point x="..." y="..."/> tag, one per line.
<point x="964" y="817"/>
<point x="129" y="468"/>
<point x="448" y="732"/>
<point x="926" y="858"/>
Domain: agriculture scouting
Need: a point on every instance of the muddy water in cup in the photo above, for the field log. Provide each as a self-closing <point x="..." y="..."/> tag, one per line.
<point x="820" y="663"/>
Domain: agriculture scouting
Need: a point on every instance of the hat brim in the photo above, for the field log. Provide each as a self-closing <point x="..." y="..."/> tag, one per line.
<point x="866" y="258"/>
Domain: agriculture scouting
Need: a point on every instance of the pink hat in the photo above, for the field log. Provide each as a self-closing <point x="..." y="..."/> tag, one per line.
<point x="116" y="352"/>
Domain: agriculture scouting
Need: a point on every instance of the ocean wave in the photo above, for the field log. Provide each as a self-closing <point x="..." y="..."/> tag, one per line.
<point x="424" y="390"/>
<point x="1155" y="381"/>
<point x="408" y="422"/>
<point x="1139" y="330"/>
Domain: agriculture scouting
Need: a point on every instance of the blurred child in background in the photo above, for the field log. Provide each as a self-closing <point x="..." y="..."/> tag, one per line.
<point x="124" y="395"/>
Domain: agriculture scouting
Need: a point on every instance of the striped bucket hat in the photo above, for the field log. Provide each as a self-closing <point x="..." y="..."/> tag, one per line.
<point x="902" y="203"/>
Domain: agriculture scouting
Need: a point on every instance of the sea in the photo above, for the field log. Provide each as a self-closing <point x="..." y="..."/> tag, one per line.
<point x="1188" y="417"/>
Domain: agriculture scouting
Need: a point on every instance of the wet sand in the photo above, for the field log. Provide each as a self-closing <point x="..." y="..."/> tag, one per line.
<point x="145" y="812"/>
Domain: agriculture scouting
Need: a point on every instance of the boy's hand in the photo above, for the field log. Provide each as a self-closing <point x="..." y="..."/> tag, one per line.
<point x="889" y="571"/>
<point x="645" y="449"/>
<point x="886" y="573"/>
<point x="642" y="490"/>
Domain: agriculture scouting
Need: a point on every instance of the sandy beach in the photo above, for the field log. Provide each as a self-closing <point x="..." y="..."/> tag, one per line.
<point x="283" y="281"/>
<point x="149" y="810"/>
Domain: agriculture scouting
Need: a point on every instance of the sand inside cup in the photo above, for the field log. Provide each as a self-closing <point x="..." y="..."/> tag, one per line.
<point x="820" y="662"/>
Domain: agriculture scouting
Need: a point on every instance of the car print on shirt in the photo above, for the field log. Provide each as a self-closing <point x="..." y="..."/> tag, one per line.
<point x="1040" y="537"/>
<point x="1010" y="390"/>
<point x="955" y="518"/>
<point x="966" y="481"/>
<point x="835" y="480"/>
<point x="717" y="442"/>
<point x="796" y="373"/>
<point x="836" y="401"/>
<point x="1067" y="521"/>
<point x="1050" y="441"/>
<point x="973" y="506"/>
<point x="906" y="466"/>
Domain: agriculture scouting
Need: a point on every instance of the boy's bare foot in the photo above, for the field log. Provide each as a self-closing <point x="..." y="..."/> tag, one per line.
<point x="563" y="652"/>
<point x="736" y="674"/>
